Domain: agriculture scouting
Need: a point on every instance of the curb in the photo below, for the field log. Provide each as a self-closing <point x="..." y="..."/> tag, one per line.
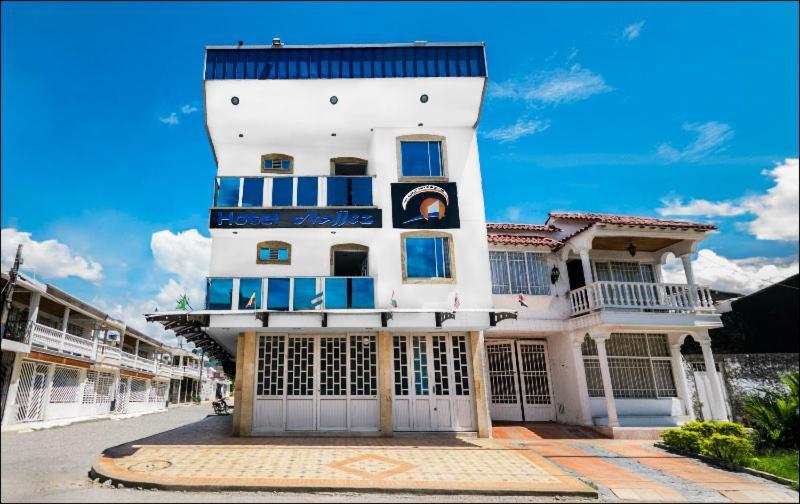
<point x="730" y="466"/>
<point x="129" y="484"/>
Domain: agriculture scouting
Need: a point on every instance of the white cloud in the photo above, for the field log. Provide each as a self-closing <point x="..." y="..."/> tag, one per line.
<point x="777" y="211"/>
<point x="735" y="275"/>
<point x="171" y="119"/>
<point x="632" y="31"/>
<point x="553" y="87"/>
<point x="700" y="207"/>
<point x="48" y="258"/>
<point x="514" y="213"/>
<point x="711" y="137"/>
<point x="522" y="128"/>
<point x="188" y="109"/>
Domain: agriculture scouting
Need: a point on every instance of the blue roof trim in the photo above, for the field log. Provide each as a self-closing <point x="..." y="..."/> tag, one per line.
<point x="374" y="62"/>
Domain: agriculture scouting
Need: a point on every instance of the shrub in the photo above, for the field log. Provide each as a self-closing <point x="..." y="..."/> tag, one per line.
<point x="703" y="429"/>
<point x="729" y="448"/>
<point x="684" y="440"/>
<point x="776" y="416"/>
<point x="730" y="429"/>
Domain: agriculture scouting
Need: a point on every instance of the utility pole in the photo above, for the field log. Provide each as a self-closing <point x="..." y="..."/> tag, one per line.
<point x="9" y="291"/>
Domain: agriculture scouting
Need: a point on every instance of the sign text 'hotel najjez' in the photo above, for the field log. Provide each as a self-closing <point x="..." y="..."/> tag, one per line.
<point x="295" y="218"/>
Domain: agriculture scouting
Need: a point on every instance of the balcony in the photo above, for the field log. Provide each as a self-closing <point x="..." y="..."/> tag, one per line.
<point x="139" y="363"/>
<point x="291" y="293"/>
<point x="640" y="296"/>
<point x="61" y="341"/>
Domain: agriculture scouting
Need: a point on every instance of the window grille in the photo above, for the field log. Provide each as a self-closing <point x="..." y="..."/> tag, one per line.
<point x="65" y="385"/>
<point x="333" y="366"/>
<point x="400" y="361"/>
<point x="533" y="361"/>
<point x="363" y="366"/>
<point x="519" y="273"/>
<point x="460" y="365"/>
<point x="300" y="362"/>
<point x="138" y="391"/>
<point x="441" y="380"/>
<point x="158" y="392"/>
<point x="624" y="271"/>
<point x="420" y="365"/>
<point x="271" y="353"/>
<point x="639" y="365"/>
<point x="31" y="391"/>
<point x="277" y="163"/>
<point x="75" y="329"/>
<point x="502" y="379"/>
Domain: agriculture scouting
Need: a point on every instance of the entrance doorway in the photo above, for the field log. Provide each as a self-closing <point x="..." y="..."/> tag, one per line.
<point x="519" y="381"/>
<point x="432" y="383"/>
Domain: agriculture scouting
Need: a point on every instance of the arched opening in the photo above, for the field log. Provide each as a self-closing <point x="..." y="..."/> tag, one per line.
<point x="349" y="260"/>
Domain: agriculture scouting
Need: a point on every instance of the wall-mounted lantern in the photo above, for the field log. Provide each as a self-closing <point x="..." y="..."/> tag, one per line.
<point x="632" y="249"/>
<point x="554" y="274"/>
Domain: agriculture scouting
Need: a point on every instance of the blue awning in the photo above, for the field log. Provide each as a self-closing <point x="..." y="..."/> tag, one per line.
<point x="346" y="62"/>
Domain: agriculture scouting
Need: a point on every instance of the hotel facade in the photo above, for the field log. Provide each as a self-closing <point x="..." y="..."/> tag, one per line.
<point x="354" y="285"/>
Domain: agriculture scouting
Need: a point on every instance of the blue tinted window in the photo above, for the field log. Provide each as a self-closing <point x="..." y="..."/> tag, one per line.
<point x="338" y="190"/>
<point x="307" y="191"/>
<point x="283" y="254"/>
<point x="228" y="192"/>
<point x="335" y="293"/>
<point x="306" y="296"/>
<point x="428" y="258"/>
<point x="361" y="191"/>
<point x="282" y="191"/>
<point x="277" y="164"/>
<point x="272" y="254"/>
<point x="362" y="293"/>
<point x="278" y="294"/>
<point x="250" y="294"/>
<point x="253" y="192"/>
<point x="219" y="293"/>
<point x="421" y="159"/>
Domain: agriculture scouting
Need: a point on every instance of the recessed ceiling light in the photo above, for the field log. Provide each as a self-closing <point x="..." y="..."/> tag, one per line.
<point x="235" y="100"/>
<point x="420" y="124"/>
<point x="242" y="135"/>
<point x="333" y="134"/>
<point x="334" y="100"/>
<point x="423" y="98"/>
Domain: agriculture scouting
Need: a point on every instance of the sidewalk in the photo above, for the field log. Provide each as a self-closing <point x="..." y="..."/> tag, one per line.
<point x="203" y="457"/>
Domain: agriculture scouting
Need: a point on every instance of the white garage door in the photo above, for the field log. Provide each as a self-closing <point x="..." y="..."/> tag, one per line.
<point x="519" y="381"/>
<point x="306" y="383"/>
<point x="432" y="383"/>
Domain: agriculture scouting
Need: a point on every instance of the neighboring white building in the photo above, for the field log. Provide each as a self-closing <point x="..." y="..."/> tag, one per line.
<point x="64" y="359"/>
<point x="351" y="282"/>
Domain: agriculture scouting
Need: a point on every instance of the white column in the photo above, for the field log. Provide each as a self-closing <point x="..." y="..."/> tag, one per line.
<point x="680" y="380"/>
<point x="66" y="319"/>
<point x="686" y="259"/>
<point x="611" y="406"/>
<point x="11" y="398"/>
<point x="718" y="409"/>
<point x="580" y="375"/>
<point x="33" y="307"/>
<point x="587" y="267"/>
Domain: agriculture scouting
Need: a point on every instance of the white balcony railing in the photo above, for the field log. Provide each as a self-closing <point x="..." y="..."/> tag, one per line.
<point x="640" y="296"/>
<point x="140" y="363"/>
<point x="108" y="352"/>
<point x="61" y="341"/>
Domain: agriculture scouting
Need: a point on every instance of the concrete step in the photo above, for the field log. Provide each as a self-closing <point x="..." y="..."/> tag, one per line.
<point x="644" y="421"/>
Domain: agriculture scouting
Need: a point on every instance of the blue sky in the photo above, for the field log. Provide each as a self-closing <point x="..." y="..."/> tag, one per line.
<point x="646" y="109"/>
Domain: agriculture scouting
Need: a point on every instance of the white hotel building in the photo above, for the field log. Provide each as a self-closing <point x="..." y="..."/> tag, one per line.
<point x="352" y="287"/>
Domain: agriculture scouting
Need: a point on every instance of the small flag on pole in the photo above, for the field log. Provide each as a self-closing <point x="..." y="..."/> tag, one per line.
<point x="183" y="303"/>
<point x="456" y="302"/>
<point x="251" y="303"/>
<point x="521" y="300"/>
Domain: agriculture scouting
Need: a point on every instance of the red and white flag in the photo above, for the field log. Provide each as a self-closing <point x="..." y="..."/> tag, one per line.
<point x="456" y="302"/>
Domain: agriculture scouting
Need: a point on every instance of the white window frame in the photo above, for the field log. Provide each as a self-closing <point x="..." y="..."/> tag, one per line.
<point x="532" y="290"/>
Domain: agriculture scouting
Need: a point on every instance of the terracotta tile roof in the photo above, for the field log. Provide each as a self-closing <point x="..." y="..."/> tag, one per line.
<point x="501" y="239"/>
<point x="498" y="226"/>
<point x="628" y="220"/>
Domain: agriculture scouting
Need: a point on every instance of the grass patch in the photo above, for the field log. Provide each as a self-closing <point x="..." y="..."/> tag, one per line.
<point x="778" y="462"/>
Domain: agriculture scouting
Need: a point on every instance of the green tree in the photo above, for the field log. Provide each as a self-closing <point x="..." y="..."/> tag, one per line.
<point x="775" y="416"/>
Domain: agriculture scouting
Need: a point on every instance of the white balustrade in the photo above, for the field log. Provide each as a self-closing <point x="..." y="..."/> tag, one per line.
<point x="61" y="341"/>
<point x="641" y="296"/>
<point x="140" y="363"/>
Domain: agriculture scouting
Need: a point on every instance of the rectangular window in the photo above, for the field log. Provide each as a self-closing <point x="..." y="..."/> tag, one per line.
<point x="349" y="191"/>
<point x="421" y="159"/>
<point x="428" y="257"/>
<point x="227" y="192"/>
<point x="278" y="294"/>
<point x="219" y="293"/>
<point x="282" y="191"/>
<point x="624" y="271"/>
<point x="307" y="191"/>
<point x="273" y="254"/>
<point x="253" y="192"/>
<point x="250" y="294"/>
<point x="276" y="163"/>
<point x="306" y="296"/>
<point x="519" y="273"/>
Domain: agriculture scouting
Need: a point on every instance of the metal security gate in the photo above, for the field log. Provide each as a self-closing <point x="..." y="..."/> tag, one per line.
<point x="432" y="385"/>
<point x="519" y="381"/>
<point x="123" y="395"/>
<point x="307" y="383"/>
<point x="31" y="391"/>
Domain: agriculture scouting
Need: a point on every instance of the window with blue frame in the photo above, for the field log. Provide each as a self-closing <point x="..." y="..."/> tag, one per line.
<point x="307" y="188"/>
<point x="278" y="293"/>
<point x="421" y="158"/>
<point x="253" y="192"/>
<point x="349" y="191"/>
<point x="249" y="293"/>
<point x="282" y="191"/>
<point x="227" y="194"/>
<point x="219" y="293"/>
<point x="428" y="258"/>
<point x="274" y="252"/>
<point x="277" y="163"/>
<point x="306" y="295"/>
